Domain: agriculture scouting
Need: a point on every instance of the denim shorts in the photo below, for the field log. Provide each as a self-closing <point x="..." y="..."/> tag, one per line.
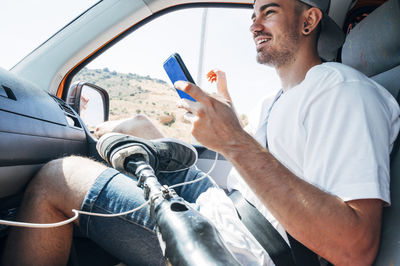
<point x="131" y="238"/>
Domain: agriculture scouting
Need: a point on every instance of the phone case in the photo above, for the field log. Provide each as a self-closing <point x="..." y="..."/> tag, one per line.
<point x="176" y="70"/>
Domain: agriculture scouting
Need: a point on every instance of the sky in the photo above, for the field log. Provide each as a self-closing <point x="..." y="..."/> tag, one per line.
<point x="26" y="24"/>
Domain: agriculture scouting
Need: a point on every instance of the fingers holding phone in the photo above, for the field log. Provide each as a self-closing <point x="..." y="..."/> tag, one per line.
<point x="214" y="121"/>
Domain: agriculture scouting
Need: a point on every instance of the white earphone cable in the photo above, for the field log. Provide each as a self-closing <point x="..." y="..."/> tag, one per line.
<point x="77" y="212"/>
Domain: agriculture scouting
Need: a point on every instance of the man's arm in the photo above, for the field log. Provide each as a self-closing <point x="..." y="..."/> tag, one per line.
<point x="342" y="232"/>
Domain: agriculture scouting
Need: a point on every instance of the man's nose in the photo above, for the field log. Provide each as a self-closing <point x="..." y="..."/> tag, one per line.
<point x="256" y="26"/>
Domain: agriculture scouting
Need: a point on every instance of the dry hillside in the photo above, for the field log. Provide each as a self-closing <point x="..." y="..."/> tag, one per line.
<point x="131" y="94"/>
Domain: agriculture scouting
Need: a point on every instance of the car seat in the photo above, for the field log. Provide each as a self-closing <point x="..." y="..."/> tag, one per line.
<point x="373" y="47"/>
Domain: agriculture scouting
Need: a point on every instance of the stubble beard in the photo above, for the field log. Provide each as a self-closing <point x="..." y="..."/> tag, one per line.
<point x="282" y="54"/>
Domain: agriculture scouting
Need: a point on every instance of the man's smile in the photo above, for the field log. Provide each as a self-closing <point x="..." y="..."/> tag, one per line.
<point x="261" y="41"/>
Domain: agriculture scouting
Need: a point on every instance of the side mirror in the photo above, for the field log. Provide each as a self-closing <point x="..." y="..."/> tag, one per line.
<point x="90" y="101"/>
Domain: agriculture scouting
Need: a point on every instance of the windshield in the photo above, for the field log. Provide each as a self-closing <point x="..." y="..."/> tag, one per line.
<point x="25" y="24"/>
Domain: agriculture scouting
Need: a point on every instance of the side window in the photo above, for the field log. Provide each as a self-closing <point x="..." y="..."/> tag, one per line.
<point x="132" y="70"/>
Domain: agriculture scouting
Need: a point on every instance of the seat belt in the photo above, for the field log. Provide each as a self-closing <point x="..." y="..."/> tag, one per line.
<point x="396" y="144"/>
<point x="302" y="255"/>
<point x="262" y="230"/>
<point x="270" y="239"/>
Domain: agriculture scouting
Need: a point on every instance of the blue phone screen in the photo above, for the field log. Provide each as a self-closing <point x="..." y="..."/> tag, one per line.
<point x="175" y="73"/>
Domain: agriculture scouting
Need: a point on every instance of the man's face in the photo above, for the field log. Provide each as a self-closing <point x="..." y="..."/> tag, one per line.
<point x="275" y="31"/>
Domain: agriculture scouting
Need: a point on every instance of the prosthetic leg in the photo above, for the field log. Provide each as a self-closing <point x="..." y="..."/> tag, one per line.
<point x="185" y="235"/>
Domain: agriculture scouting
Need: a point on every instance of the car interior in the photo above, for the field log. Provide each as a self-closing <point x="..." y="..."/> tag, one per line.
<point x="40" y="112"/>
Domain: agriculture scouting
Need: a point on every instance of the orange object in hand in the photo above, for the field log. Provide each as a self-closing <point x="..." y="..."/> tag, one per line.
<point x="211" y="76"/>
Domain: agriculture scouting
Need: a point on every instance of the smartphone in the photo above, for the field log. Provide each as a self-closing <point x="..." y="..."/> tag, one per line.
<point x="176" y="70"/>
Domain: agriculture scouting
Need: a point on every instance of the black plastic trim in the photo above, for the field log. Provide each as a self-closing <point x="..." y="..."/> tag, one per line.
<point x="9" y="93"/>
<point x="32" y="117"/>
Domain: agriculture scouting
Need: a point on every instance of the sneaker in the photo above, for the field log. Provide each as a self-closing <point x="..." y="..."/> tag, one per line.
<point x="163" y="155"/>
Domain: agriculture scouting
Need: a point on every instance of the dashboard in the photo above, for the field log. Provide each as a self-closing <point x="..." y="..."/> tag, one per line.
<point x="35" y="127"/>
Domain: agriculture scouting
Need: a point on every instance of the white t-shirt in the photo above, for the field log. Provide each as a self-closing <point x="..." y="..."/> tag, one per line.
<point x="334" y="130"/>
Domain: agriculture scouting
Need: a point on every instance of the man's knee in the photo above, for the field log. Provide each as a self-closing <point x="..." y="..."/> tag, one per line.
<point x="43" y="179"/>
<point x="55" y="172"/>
<point x="64" y="182"/>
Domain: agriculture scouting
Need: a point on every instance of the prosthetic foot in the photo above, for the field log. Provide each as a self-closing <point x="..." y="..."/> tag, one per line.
<point x="163" y="155"/>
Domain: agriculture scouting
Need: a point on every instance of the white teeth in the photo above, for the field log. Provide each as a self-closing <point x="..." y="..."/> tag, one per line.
<point x="262" y="41"/>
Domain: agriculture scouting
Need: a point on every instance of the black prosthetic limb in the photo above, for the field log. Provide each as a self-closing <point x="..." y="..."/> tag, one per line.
<point x="188" y="238"/>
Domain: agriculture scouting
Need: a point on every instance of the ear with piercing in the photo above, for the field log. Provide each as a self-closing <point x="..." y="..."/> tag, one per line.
<point x="306" y="30"/>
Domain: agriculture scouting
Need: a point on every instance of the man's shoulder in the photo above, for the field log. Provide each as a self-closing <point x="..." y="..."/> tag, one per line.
<point x="337" y="76"/>
<point x="340" y="83"/>
<point x="339" y="73"/>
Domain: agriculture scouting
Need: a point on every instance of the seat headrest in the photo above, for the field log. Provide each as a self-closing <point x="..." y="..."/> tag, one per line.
<point x="373" y="46"/>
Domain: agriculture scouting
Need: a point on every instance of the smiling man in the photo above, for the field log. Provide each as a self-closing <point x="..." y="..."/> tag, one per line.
<point x="315" y="166"/>
<point x="325" y="175"/>
<point x="279" y="50"/>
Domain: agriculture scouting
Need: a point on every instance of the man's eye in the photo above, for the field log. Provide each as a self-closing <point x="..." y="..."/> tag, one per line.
<point x="269" y="13"/>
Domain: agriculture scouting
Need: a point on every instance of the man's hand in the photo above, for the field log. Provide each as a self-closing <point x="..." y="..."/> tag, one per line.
<point x="219" y="76"/>
<point x="215" y="124"/>
<point x="222" y="84"/>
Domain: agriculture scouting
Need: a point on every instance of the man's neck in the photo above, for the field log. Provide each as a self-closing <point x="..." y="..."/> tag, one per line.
<point x="294" y="73"/>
